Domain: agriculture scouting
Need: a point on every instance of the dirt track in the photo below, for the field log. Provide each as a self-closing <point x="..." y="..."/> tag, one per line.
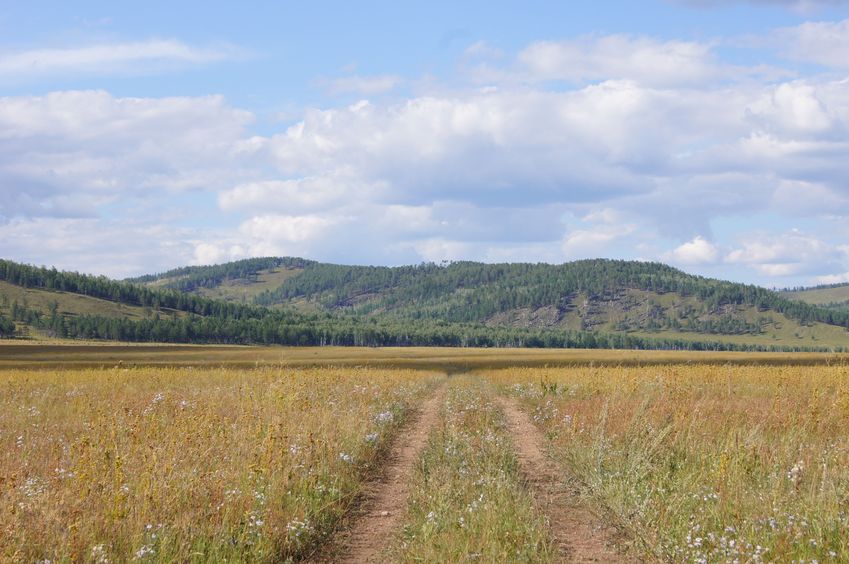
<point x="579" y="534"/>
<point x="384" y="506"/>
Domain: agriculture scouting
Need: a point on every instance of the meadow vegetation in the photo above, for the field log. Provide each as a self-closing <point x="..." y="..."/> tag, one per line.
<point x="188" y="464"/>
<point x="704" y="463"/>
<point x="468" y="500"/>
<point x="707" y="462"/>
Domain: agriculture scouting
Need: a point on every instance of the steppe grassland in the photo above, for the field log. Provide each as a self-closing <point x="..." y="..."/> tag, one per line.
<point x="705" y="463"/>
<point x="468" y="501"/>
<point x="181" y="464"/>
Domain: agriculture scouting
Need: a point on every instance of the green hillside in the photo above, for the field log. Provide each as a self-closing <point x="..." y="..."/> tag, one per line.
<point x="622" y="304"/>
<point x="239" y="281"/>
<point x="596" y="295"/>
<point x="833" y="296"/>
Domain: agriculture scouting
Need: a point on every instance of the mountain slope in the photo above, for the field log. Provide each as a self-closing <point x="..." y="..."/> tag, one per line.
<point x="598" y="303"/>
<point x="637" y="298"/>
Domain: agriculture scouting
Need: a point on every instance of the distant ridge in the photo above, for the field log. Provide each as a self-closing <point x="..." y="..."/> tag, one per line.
<point x="290" y="300"/>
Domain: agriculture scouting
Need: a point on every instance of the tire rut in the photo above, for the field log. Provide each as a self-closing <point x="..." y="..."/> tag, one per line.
<point x="384" y="505"/>
<point x="580" y="536"/>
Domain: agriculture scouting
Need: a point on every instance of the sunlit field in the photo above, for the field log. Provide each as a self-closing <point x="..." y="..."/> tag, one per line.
<point x="182" y="464"/>
<point x="704" y="463"/>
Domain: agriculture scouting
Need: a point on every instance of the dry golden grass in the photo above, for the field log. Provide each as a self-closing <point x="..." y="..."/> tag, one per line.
<point x="188" y="464"/>
<point x="705" y="463"/>
<point x="62" y="354"/>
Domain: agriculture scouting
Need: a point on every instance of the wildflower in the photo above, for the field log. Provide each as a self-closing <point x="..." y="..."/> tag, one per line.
<point x="32" y="487"/>
<point x="371" y="438"/>
<point x="345" y="457"/>
<point x="143" y="552"/>
<point x="298" y="529"/>
<point x="384" y="417"/>
<point x="795" y="473"/>
<point x="98" y="554"/>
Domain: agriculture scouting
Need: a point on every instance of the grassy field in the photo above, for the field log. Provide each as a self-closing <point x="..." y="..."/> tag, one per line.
<point x="704" y="463"/>
<point x="180" y="464"/>
<point x="158" y="453"/>
<point x="68" y="354"/>
<point x="821" y="296"/>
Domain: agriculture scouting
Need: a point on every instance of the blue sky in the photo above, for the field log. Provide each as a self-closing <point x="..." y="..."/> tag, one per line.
<point x="711" y="135"/>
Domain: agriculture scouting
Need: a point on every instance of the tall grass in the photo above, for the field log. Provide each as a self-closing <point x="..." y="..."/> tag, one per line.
<point x="468" y="501"/>
<point x="706" y="463"/>
<point x="182" y="464"/>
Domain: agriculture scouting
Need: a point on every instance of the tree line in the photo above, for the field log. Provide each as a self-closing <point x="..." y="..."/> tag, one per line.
<point x="279" y="329"/>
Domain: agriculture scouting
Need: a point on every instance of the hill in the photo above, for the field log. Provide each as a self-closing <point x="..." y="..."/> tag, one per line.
<point x="239" y="281"/>
<point x="636" y="298"/>
<point x="831" y="296"/>
<point x="297" y="301"/>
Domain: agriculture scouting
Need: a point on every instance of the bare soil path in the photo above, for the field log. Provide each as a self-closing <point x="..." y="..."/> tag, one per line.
<point x="579" y="534"/>
<point x="384" y="505"/>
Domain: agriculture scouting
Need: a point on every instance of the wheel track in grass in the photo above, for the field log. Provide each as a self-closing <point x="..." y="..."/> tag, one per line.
<point x="579" y="534"/>
<point x="380" y="514"/>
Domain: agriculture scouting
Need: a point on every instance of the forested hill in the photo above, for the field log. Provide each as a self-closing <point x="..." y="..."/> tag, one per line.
<point x="296" y="301"/>
<point x="469" y="291"/>
<point x="637" y="298"/>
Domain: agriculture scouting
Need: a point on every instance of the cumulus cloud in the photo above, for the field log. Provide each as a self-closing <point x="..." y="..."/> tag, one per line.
<point x="133" y="57"/>
<point x="69" y="153"/>
<point x="785" y="254"/>
<point x="651" y="143"/>
<point x="113" y="247"/>
<point x="823" y="43"/>
<point x="699" y="251"/>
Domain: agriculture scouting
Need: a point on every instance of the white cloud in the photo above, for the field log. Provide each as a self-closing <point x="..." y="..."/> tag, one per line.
<point x="210" y="253"/>
<point x="699" y="251"/>
<point x="833" y="278"/>
<point x="590" y="243"/>
<point x="643" y="59"/>
<point x="785" y="254"/>
<point x="824" y="43"/>
<point x="286" y="228"/>
<point x="134" y="57"/>
<point x="115" y="248"/>
<point x="80" y="150"/>
<point x="796" y="197"/>
<point x="322" y="192"/>
<point x="794" y="107"/>
<point x="659" y="147"/>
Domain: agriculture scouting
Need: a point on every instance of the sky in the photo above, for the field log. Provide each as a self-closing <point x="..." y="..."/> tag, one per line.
<point x="712" y="135"/>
